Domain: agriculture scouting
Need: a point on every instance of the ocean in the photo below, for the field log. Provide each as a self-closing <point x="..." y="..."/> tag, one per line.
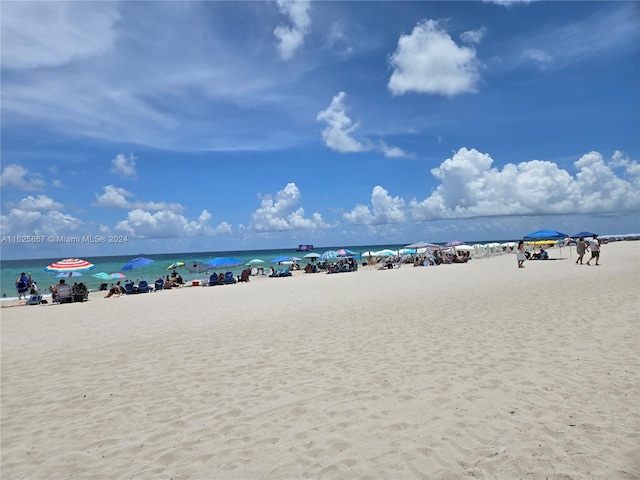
<point x="10" y="269"/>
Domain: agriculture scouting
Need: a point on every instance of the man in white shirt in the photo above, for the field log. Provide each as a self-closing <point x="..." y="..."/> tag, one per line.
<point x="594" y="246"/>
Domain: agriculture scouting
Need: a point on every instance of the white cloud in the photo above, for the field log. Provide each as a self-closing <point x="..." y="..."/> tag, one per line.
<point x="168" y="224"/>
<point x="16" y="176"/>
<point x="36" y="34"/>
<point x="123" y="165"/>
<point x="30" y="222"/>
<point x="473" y="36"/>
<point x="115" y="197"/>
<point x="429" y="61"/>
<point x="39" y="204"/>
<point x="470" y="188"/>
<point x="279" y="212"/>
<point x="393" y="152"/>
<point x="337" y="135"/>
<point x="290" y="39"/>
<point x="384" y="209"/>
<point x="540" y="57"/>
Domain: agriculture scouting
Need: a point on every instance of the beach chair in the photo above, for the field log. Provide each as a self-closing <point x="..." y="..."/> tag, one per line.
<point x="63" y="294"/>
<point x="143" y="287"/>
<point x="104" y="286"/>
<point x="159" y="284"/>
<point x="130" y="288"/>
<point x="244" y="276"/>
<point x="80" y="293"/>
<point x="34" y="300"/>
<point x="229" y="278"/>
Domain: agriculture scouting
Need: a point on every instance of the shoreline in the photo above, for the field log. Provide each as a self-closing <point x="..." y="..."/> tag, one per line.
<point x="479" y="369"/>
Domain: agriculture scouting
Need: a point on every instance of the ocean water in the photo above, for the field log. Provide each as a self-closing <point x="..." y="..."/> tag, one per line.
<point x="10" y="269"/>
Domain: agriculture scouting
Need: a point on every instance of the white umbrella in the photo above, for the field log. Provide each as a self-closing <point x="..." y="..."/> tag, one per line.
<point x="254" y="261"/>
<point x="312" y="255"/>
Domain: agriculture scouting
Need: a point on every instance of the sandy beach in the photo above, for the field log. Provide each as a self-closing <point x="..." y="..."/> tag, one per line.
<point x="476" y="370"/>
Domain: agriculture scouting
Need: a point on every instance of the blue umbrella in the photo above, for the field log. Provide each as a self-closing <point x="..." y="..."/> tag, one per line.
<point x="137" y="263"/>
<point x="328" y="255"/>
<point x="224" y="262"/>
<point x="282" y="258"/>
<point x="545" y="235"/>
<point x="67" y="275"/>
<point x="102" y="276"/>
<point x="583" y="234"/>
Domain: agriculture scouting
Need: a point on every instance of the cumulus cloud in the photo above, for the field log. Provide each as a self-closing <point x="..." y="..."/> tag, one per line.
<point x="278" y="212"/>
<point x="290" y="39"/>
<point x="115" y="197"/>
<point x="16" y="176"/>
<point x="36" y="34"/>
<point x="429" y="61"/>
<point x="338" y="135"/>
<point x="167" y="224"/>
<point x="384" y="209"/>
<point x="41" y="203"/>
<point x="123" y="165"/>
<point x="26" y="221"/>
<point x="471" y="188"/>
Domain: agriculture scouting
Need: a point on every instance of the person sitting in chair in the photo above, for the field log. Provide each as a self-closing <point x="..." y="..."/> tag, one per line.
<point x="54" y="289"/>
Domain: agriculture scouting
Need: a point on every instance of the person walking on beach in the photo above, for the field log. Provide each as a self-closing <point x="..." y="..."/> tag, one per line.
<point x="581" y="248"/>
<point x="594" y="246"/>
<point x="520" y="256"/>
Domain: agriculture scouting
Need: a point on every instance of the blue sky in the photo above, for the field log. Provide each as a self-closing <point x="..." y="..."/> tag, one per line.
<point x="199" y="126"/>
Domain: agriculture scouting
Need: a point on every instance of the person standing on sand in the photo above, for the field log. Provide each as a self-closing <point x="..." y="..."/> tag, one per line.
<point x="594" y="246"/>
<point x="520" y="256"/>
<point x="581" y="248"/>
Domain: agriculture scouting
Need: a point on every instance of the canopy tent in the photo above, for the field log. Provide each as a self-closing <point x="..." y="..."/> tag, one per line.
<point x="545" y="235"/>
<point x="542" y="235"/>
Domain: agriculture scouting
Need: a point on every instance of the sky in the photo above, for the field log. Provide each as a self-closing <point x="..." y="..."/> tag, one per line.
<point x="159" y="127"/>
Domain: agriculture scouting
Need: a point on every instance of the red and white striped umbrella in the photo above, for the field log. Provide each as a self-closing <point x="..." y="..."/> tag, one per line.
<point x="70" y="265"/>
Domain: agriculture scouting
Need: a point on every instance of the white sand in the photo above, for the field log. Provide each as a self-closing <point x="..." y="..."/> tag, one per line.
<point x="479" y="370"/>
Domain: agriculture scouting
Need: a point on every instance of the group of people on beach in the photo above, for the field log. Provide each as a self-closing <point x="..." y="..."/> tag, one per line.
<point x="593" y="245"/>
<point x="582" y="247"/>
<point x="26" y="285"/>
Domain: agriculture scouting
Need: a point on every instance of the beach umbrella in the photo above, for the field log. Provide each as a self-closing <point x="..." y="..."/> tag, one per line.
<point x="70" y="265"/>
<point x="117" y="275"/>
<point x="196" y="267"/>
<point x="329" y="254"/>
<point x="223" y="262"/>
<point x="102" y="276"/>
<point x="345" y="252"/>
<point x="175" y="265"/>
<point x="368" y="253"/>
<point x="453" y="243"/>
<point x="384" y="253"/>
<point x="312" y="255"/>
<point x="545" y="235"/>
<point x="583" y="234"/>
<point x="419" y="245"/>
<point x="282" y="258"/>
<point x="137" y="263"/>
<point x="255" y="261"/>
<point x="67" y="275"/>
